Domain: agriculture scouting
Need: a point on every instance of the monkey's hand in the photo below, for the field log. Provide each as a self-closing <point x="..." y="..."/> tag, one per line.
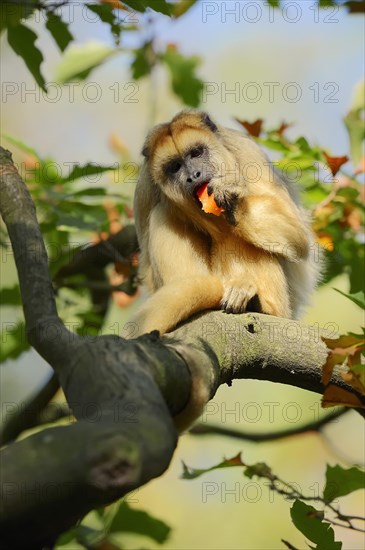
<point x="236" y="296"/>
<point x="227" y="199"/>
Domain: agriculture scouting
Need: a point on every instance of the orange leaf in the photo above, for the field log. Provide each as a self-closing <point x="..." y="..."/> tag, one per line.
<point x="207" y="201"/>
<point x="355" y="359"/>
<point x="327" y="369"/>
<point x="353" y="380"/>
<point x="283" y="126"/>
<point x="342" y="348"/>
<point x="115" y="4"/>
<point x="118" y="145"/>
<point x="172" y="47"/>
<point x="326" y="241"/>
<point x="335" y="163"/>
<point x="353" y="217"/>
<point x="344" y="341"/>
<point x="253" y="128"/>
<point x="334" y="396"/>
<point x="235" y="461"/>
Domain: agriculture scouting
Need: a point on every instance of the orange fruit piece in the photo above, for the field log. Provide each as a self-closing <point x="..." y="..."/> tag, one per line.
<point x="208" y="202"/>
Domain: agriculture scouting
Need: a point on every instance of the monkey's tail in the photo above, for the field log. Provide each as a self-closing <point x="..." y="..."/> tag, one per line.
<point x="176" y="302"/>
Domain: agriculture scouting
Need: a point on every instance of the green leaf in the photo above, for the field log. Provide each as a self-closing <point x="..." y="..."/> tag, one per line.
<point x="10" y="296"/>
<point x="59" y="30"/>
<point x="89" y="169"/>
<point x="13" y="341"/>
<point x="274" y="3"/>
<point x="260" y="470"/>
<point x="356" y="130"/>
<point x="303" y="144"/>
<point x="143" y="61"/>
<point x="72" y="215"/>
<point x="106" y="15"/>
<point x="66" y="538"/>
<point x="182" y="7"/>
<point x="358" y="297"/>
<point x="309" y="522"/>
<point x="157" y="5"/>
<point x="186" y="85"/>
<point x="129" y="520"/>
<point x="341" y="482"/>
<point x="22" y="146"/>
<point x="22" y="40"/>
<point x="357" y="102"/>
<point x="355" y="124"/>
<point x="349" y="193"/>
<point x="325" y="3"/>
<point x="11" y="13"/>
<point x="90" y="192"/>
<point x="80" y="60"/>
<point x="273" y="142"/>
<point x="295" y="163"/>
<point x="192" y="473"/>
<point x="314" y="194"/>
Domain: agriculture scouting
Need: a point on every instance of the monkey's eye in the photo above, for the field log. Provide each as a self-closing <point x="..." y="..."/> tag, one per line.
<point x="196" y="151"/>
<point x="173" y="167"/>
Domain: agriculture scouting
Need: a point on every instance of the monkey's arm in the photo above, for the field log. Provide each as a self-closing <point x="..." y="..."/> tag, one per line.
<point x="272" y="223"/>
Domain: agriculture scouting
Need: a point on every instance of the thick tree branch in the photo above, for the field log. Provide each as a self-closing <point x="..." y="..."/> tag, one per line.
<point x="125" y="435"/>
<point x="122" y="393"/>
<point x="259" y="347"/>
<point x="118" y="247"/>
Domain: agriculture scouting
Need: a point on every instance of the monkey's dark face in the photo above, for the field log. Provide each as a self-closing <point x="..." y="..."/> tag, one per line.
<point x="189" y="169"/>
<point x="182" y="156"/>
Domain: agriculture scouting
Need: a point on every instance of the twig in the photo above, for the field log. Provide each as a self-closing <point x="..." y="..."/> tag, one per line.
<point x="208" y="429"/>
<point x="27" y="415"/>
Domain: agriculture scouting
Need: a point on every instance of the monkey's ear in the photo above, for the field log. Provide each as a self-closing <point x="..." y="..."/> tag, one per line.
<point x="145" y="151"/>
<point x="208" y="122"/>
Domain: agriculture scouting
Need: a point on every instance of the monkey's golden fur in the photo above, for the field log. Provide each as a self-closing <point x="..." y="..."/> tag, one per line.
<point x="259" y="253"/>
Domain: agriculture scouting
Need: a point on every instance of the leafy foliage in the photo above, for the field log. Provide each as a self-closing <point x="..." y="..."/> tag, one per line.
<point x="67" y="205"/>
<point x="355" y="124"/>
<point x="353" y="6"/>
<point x="341" y="482"/>
<point x="80" y="60"/>
<point x="117" y="519"/>
<point x="358" y="297"/>
<point x="346" y="351"/>
<point x="158" y="5"/>
<point x="59" y="30"/>
<point x="312" y="523"/>
<point x="144" y="61"/>
<point x="107" y="15"/>
<point x="13" y="341"/>
<point x="182" y="72"/>
<point x="22" y="40"/>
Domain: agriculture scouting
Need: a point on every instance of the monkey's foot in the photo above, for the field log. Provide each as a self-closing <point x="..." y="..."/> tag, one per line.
<point x="236" y="298"/>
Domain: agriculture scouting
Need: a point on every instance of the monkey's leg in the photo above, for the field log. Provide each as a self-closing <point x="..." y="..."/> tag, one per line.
<point x="273" y="291"/>
<point x="180" y="266"/>
<point x="176" y="302"/>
